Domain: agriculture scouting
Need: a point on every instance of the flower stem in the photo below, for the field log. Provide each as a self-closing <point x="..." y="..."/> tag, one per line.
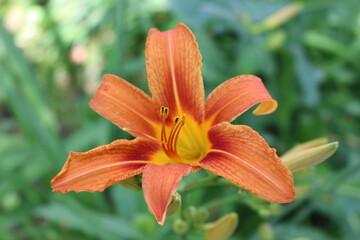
<point x="235" y="198"/>
<point x="206" y="182"/>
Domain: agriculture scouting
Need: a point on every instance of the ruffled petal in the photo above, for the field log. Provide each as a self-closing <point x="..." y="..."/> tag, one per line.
<point x="126" y="106"/>
<point x="159" y="184"/>
<point x="173" y="64"/>
<point x="103" y="166"/>
<point x="237" y="95"/>
<point x="242" y="156"/>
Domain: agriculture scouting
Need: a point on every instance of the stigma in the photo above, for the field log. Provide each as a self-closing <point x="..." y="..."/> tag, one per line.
<point x="169" y="141"/>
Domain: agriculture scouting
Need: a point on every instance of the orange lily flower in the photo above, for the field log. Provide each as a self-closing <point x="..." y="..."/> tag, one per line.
<point x="177" y="132"/>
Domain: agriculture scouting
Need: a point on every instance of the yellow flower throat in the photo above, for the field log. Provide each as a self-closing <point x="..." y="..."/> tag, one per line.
<point x="183" y="144"/>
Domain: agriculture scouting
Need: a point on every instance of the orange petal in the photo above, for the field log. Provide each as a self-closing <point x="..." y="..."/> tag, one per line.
<point x="103" y="166"/>
<point x="242" y="156"/>
<point x="173" y="64"/>
<point x="126" y="106"/>
<point x="159" y="184"/>
<point x="237" y="95"/>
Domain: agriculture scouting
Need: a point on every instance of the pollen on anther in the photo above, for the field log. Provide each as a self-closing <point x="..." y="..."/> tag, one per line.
<point x="176" y="119"/>
<point x="164" y="112"/>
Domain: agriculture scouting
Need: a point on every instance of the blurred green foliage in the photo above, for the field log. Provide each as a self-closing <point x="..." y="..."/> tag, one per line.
<point x="52" y="56"/>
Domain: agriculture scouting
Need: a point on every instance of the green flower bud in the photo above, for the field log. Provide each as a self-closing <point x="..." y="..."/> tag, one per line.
<point x="276" y="19"/>
<point x="275" y="40"/>
<point x="132" y="183"/>
<point x="199" y="217"/>
<point x="174" y="204"/>
<point x="180" y="226"/>
<point x="222" y="228"/>
<point x="203" y="214"/>
<point x="266" y="232"/>
<point x="282" y="16"/>
<point x="190" y="213"/>
<point x="309" y="154"/>
<point x="307" y="145"/>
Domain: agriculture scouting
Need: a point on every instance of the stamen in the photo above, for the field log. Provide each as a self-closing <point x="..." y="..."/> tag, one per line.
<point x="176" y="135"/>
<point x="169" y="144"/>
<point x="164" y="113"/>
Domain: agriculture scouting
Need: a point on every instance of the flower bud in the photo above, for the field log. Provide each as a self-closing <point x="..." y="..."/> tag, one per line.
<point x="276" y="19"/>
<point x="307" y="145"/>
<point x="282" y="16"/>
<point x="222" y="228"/>
<point x="308" y="154"/>
<point x="190" y="213"/>
<point x="180" y="226"/>
<point x="203" y="214"/>
<point x="174" y="204"/>
<point x="132" y="183"/>
<point x="275" y="40"/>
<point x="266" y="232"/>
<point x="200" y="217"/>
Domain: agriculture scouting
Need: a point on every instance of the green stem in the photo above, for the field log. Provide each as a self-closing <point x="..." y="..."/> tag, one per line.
<point x="235" y="198"/>
<point x="184" y="237"/>
<point x="206" y="182"/>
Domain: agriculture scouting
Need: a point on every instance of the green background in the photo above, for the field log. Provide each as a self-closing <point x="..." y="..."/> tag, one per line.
<point x="54" y="52"/>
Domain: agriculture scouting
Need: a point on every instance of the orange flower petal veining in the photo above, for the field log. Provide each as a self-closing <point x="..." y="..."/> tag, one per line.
<point x="177" y="131"/>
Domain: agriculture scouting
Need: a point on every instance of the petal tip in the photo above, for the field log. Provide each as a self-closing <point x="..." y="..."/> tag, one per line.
<point x="290" y="198"/>
<point x="284" y="197"/>
<point x="266" y="107"/>
<point x="161" y="221"/>
<point x="109" y="76"/>
<point x="182" y="25"/>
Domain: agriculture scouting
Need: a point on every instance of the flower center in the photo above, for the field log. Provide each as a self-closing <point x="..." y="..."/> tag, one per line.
<point x="182" y="143"/>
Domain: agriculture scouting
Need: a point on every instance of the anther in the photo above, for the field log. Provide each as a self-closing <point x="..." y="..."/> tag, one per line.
<point x="176" y="120"/>
<point x="164" y="112"/>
